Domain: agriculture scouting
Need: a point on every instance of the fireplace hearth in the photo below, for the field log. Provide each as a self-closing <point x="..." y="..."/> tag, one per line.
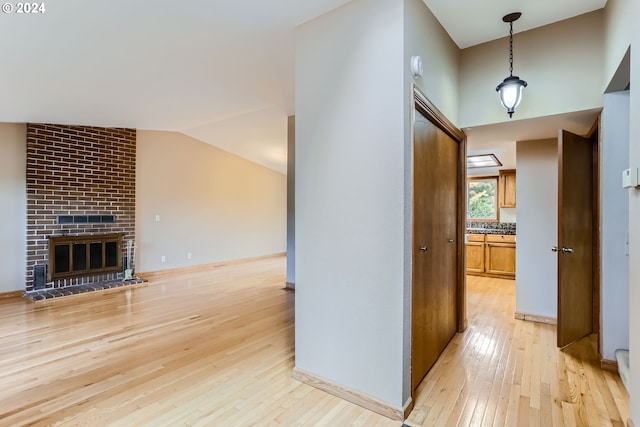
<point x="101" y="286"/>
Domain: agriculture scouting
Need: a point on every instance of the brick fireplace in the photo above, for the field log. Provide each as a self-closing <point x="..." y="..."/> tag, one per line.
<point x="80" y="182"/>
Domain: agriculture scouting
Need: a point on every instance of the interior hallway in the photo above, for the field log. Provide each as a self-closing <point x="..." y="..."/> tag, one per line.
<point x="216" y="348"/>
<point x="508" y="372"/>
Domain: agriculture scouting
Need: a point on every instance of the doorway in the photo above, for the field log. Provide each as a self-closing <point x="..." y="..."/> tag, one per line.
<point x="537" y="205"/>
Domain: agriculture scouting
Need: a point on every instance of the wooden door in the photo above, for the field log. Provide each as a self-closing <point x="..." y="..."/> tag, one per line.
<point x="435" y="224"/>
<point x="575" y="238"/>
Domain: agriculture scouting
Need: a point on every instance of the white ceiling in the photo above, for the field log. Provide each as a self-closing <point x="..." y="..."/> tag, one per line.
<point x="197" y="67"/>
<point x="471" y="22"/>
<point x="221" y="71"/>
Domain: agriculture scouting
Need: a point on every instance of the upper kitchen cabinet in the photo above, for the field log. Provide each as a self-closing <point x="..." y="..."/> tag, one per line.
<point x="507" y="188"/>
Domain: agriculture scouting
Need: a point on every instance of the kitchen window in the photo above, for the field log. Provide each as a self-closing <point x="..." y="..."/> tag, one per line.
<point x="482" y="199"/>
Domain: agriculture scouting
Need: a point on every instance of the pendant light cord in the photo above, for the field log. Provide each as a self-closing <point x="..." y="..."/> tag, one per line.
<point x="511" y="49"/>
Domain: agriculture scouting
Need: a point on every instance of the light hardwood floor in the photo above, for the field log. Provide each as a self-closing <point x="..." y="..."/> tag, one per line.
<point x="216" y="348"/>
<point x="508" y="372"/>
<point x="205" y="349"/>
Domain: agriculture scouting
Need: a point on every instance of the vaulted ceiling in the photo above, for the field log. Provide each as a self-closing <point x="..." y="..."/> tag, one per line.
<point x="471" y="22"/>
<point x="221" y="71"/>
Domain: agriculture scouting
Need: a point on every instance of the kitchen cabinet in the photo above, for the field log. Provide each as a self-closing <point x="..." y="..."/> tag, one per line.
<point x="492" y="255"/>
<point x="475" y="253"/>
<point x="507" y="188"/>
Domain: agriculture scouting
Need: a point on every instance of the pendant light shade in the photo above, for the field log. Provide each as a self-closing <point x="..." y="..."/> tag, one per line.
<point x="510" y="90"/>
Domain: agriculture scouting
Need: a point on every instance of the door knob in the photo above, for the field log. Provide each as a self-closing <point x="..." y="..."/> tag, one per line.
<point x="451" y="240"/>
<point x="554" y="249"/>
<point x="423" y="248"/>
<point x="567" y="250"/>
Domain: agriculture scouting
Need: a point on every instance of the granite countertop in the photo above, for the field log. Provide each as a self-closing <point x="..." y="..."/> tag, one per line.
<point x="473" y="230"/>
<point x="478" y="227"/>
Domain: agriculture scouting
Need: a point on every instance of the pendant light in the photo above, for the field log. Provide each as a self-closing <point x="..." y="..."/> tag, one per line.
<point x="510" y="89"/>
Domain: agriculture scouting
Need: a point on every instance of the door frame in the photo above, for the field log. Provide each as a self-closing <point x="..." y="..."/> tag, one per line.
<point x="421" y="103"/>
<point x="594" y="135"/>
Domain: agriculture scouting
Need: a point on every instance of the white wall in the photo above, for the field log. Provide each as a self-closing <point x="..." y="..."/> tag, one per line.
<point x="508" y="214"/>
<point x="212" y="204"/>
<point x="425" y="37"/>
<point x="634" y="222"/>
<point x="614" y="219"/>
<point x="621" y="32"/>
<point x="350" y="198"/>
<point x="561" y="62"/>
<point x="13" y="199"/>
<point x="619" y="21"/>
<point x="537" y="210"/>
<point x="634" y="253"/>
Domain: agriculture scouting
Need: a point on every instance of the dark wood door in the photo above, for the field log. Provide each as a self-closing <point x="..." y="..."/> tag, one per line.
<point x="575" y="237"/>
<point x="435" y="222"/>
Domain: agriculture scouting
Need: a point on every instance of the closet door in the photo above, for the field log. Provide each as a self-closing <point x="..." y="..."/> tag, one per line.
<point x="435" y="223"/>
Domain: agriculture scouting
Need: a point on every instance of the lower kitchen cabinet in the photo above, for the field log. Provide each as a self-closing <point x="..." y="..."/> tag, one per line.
<point x="492" y="255"/>
<point x="475" y="253"/>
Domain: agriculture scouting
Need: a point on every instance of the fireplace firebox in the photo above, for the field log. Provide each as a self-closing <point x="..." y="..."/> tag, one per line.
<point x="75" y="256"/>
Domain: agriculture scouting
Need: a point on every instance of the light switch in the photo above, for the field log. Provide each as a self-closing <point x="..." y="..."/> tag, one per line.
<point x="157" y="218"/>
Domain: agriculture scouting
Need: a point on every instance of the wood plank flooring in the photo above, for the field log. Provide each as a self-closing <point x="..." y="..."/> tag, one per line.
<point x="216" y="348"/>
<point x="205" y="349"/>
<point x="508" y="372"/>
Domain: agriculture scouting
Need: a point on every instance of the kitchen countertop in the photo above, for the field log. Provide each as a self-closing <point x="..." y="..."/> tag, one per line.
<point x="474" y="230"/>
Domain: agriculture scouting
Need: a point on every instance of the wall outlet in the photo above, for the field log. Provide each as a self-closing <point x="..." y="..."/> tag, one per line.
<point x="189" y="256"/>
<point x="163" y="258"/>
<point x="157" y="218"/>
